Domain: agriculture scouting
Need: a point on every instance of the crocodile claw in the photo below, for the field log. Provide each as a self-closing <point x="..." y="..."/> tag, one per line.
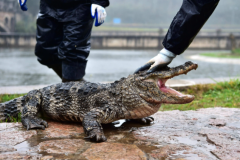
<point x="34" y="123"/>
<point x="146" y="120"/>
<point x="96" y="137"/>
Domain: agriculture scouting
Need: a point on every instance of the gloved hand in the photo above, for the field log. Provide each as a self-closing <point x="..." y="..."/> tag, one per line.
<point x="23" y="5"/>
<point x="164" y="58"/>
<point x="99" y="12"/>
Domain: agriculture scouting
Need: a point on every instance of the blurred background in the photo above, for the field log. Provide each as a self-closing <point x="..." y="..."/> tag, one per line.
<point x="131" y="35"/>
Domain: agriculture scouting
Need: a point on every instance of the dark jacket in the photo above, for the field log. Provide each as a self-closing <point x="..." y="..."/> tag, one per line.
<point x="63" y="3"/>
<point x="68" y="10"/>
<point x="192" y="15"/>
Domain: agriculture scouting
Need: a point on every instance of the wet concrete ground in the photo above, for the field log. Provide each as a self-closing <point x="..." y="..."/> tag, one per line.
<point x="212" y="133"/>
<point x="20" y="66"/>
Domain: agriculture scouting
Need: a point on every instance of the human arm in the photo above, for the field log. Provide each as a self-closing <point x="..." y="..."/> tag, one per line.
<point x="185" y="26"/>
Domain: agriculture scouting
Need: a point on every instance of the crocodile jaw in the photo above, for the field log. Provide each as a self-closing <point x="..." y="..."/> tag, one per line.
<point x="159" y="78"/>
<point x="177" y="97"/>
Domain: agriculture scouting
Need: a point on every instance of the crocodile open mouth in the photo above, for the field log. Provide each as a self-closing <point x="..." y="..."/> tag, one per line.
<point x="160" y="78"/>
<point x="161" y="84"/>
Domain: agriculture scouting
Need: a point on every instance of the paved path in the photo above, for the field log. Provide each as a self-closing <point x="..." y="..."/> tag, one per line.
<point x="171" y="83"/>
<point x="208" y="133"/>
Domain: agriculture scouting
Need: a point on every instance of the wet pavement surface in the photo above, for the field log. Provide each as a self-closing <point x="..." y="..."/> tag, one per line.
<point x="20" y="66"/>
<point x="212" y="133"/>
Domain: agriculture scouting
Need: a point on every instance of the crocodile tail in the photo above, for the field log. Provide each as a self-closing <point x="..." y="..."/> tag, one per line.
<point x="11" y="109"/>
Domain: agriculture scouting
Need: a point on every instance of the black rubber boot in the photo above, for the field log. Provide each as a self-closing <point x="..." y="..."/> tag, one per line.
<point x="66" y="80"/>
<point x="57" y="69"/>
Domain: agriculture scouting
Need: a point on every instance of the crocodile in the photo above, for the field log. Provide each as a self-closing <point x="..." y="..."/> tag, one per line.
<point x="136" y="97"/>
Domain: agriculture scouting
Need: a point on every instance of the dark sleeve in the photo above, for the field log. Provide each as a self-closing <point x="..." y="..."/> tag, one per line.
<point x="187" y="23"/>
<point x="103" y="3"/>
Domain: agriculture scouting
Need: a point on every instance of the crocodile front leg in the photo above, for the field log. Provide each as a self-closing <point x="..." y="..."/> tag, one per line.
<point x="92" y="126"/>
<point x="30" y="111"/>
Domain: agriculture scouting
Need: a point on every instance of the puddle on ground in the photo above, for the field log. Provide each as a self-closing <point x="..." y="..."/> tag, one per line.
<point x="118" y="132"/>
<point x="190" y="142"/>
<point x="182" y="154"/>
<point x="23" y="147"/>
<point x="186" y="140"/>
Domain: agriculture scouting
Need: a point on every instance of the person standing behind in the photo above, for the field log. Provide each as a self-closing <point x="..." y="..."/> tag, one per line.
<point x="63" y="34"/>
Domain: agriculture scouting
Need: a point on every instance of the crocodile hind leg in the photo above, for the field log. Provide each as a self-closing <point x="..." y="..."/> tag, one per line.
<point x="30" y="111"/>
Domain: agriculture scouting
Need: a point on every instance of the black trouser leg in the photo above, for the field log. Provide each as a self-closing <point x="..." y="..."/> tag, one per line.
<point x="57" y="69"/>
<point x="75" y="47"/>
<point x="49" y="36"/>
<point x="187" y="23"/>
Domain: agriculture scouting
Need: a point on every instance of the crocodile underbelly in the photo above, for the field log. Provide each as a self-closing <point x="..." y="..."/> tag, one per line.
<point x="143" y="111"/>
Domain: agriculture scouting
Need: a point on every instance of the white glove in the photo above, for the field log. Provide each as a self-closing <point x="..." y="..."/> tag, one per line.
<point x="164" y="58"/>
<point x="99" y="12"/>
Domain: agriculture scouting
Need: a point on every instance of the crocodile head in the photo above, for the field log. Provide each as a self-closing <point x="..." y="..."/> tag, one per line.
<point x="151" y="86"/>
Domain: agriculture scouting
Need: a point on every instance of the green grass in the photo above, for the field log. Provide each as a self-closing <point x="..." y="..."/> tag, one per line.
<point x="235" y="54"/>
<point x="222" y="94"/>
<point x="8" y="97"/>
<point x="236" y="51"/>
<point x="16" y="119"/>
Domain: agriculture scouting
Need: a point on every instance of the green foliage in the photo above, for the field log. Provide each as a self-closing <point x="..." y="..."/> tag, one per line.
<point x="236" y="51"/>
<point x="234" y="54"/>
<point x="221" y="94"/>
<point x="8" y="97"/>
<point x="25" y="27"/>
<point x="26" y="21"/>
<point x="14" y="119"/>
